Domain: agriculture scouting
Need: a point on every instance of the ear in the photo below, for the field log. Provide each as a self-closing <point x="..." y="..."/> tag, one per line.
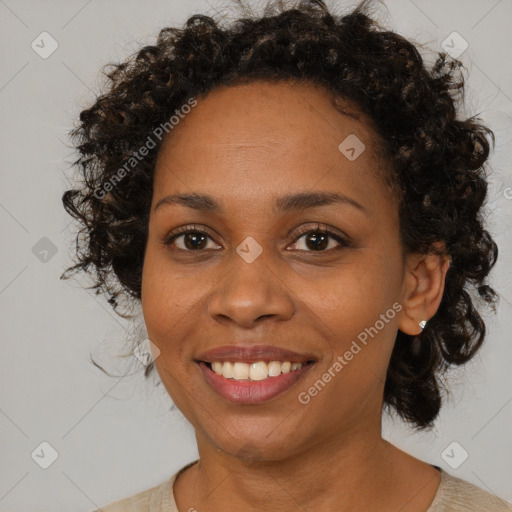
<point x="423" y="288"/>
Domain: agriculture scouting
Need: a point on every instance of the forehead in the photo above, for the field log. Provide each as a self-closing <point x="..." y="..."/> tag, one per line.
<point x="287" y="134"/>
<point x="265" y="112"/>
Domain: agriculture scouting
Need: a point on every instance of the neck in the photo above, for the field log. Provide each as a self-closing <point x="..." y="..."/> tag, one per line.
<point x="353" y="471"/>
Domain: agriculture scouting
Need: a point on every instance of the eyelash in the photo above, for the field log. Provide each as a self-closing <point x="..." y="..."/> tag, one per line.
<point x="303" y="231"/>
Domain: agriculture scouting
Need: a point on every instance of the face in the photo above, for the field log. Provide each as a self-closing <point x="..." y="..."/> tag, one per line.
<point x="323" y="279"/>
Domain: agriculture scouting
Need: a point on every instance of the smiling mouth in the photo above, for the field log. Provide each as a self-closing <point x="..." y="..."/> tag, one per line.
<point x="252" y="383"/>
<point x="257" y="371"/>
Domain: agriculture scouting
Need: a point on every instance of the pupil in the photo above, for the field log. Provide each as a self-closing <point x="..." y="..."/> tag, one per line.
<point x="194" y="237"/>
<point x="317" y="237"/>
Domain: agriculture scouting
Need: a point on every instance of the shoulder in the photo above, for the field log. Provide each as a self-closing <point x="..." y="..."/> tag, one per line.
<point x="456" y="495"/>
<point x="149" y="500"/>
<point x="159" y="498"/>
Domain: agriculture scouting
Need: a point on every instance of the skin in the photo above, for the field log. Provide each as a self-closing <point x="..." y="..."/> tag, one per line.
<point x="246" y="146"/>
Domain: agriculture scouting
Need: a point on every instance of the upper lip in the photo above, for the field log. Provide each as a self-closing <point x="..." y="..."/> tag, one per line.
<point x="253" y="354"/>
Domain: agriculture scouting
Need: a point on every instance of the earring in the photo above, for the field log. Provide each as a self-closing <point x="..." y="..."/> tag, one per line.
<point x="422" y="324"/>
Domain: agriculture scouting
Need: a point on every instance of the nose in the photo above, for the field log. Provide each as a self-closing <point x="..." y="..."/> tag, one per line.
<point x="250" y="292"/>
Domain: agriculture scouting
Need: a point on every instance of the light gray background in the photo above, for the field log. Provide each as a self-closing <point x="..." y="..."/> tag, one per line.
<point x="115" y="437"/>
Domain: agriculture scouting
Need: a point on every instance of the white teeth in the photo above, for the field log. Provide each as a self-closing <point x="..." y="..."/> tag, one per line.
<point x="217" y="367"/>
<point x="274" y="368"/>
<point x="227" y="370"/>
<point x="258" y="371"/>
<point x="253" y="371"/>
<point x="240" y="371"/>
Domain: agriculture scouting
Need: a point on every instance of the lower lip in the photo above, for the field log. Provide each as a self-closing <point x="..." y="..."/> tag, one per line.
<point x="252" y="391"/>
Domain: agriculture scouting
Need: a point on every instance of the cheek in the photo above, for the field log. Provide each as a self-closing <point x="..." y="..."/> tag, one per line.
<point x="165" y="314"/>
<point x="172" y="305"/>
<point x="160" y="299"/>
<point x="357" y="313"/>
<point x="351" y="298"/>
<point x="359" y="320"/>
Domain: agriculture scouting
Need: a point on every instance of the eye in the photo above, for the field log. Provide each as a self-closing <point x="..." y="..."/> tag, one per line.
<point x="317" y="239"/>
<point x="193" y="238"/>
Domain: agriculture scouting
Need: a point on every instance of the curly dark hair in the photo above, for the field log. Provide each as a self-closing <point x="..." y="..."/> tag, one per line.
<point x="437" y="161"/>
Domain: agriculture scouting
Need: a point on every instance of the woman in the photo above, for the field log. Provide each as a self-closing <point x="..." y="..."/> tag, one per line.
<point x="297" y="209"/>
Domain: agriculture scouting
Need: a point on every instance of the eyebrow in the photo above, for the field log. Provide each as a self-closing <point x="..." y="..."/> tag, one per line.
<point x="292" y="202"/>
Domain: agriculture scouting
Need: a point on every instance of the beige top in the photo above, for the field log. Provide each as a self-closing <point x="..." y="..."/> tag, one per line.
<point x="453" y="495"/>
